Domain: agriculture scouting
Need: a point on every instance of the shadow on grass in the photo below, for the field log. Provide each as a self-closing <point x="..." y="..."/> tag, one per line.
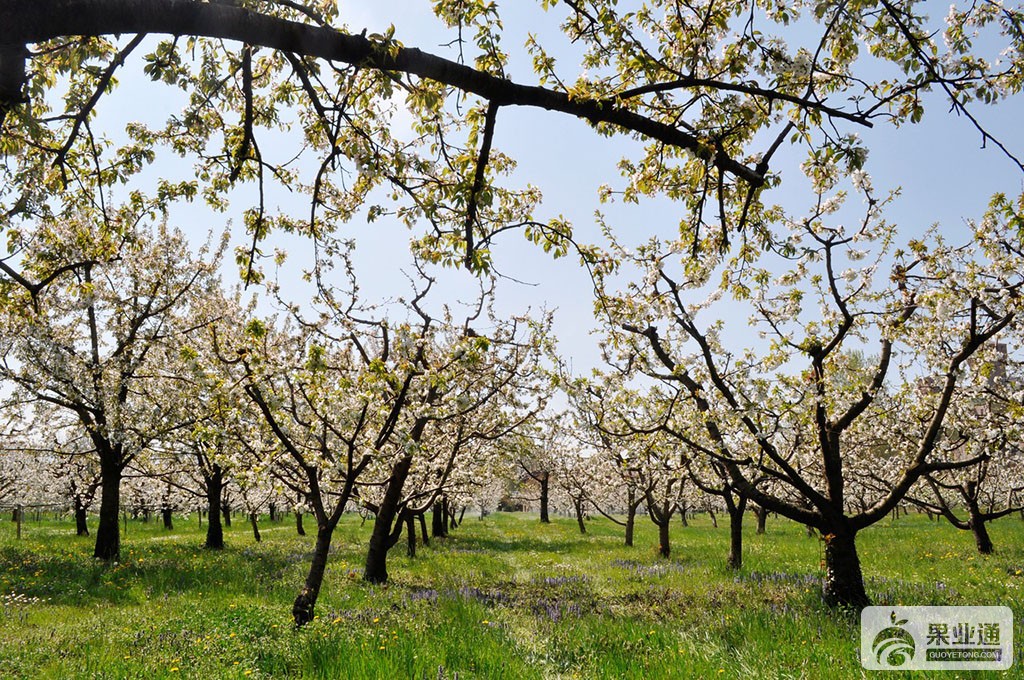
<point x="72" y="578"/>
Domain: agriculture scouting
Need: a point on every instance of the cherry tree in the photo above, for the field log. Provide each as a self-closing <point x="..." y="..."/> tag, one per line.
<point x="788" y="409"/>
<point x="985" y="426"/>
<point x="466" y="388"/>
<point x="87" y="347"/>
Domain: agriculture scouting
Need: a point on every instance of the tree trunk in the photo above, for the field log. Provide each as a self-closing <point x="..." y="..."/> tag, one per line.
<point x="682" y="516"/>
<point x="376" y="570"/>
<point x="108" y="533"/>
<point x="214" y="489"/>
<point x="578" y="505"/>
<point x="844" y="582"/>
<point x="664" y="548"/>
<point x="545" y="476"/>
<point x="736" y="511"/>
<point x="462" y="514"/>
<point x="713" y="516"/>
<point x="630" y="521"/>
<point x="255" y="526"/>
<point x="978" y="528"/>
<point x="168" y="517"/>
<point x="762" y="519"/>
<point x="299" y="529"/>
<point x="302" y="609"/>
<point x="226" y="513"/>
<point x="273" y="512"/>
<point x="410" y="528"/>
<point x="81" y="526"/>
<point x="438" y="525"/>
<point x="423" y="528"/>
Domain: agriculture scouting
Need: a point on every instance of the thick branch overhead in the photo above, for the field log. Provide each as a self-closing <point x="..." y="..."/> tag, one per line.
<point x="32" y="21"/>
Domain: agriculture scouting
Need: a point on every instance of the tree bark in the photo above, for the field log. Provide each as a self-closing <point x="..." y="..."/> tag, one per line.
<point x="225" y="510"/>
<point x="255" y="526"/>
<point x="423" y="528"/>
<point x="664" y="547"/>
<point x="545" y="478"/>
<point x="81" y="526"/>
<point x="438" y="525"/>
<point x="978" y="528"/>
<point x="376" y="570"/>
<point x="578" y="505"/>
<point x="214" y="489"/>
<point x="168" y="517"/>
<point x="410" y="527"/>
<point x="299" y="529"/>
<point x="108" y="533"/>
<point x="630" y="522"/>
<point x="736" y="510"/>
<point x="305" y="602"/>
<point x="762" y="519"/>
<point x="844" y="582"/>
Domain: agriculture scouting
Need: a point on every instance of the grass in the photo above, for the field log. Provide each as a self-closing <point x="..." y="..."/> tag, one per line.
<point x="505" y="597"/>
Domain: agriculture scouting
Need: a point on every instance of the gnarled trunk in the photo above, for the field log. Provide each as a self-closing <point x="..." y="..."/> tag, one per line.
<point x="844" y="581"/>
<point x="978" y="528"/>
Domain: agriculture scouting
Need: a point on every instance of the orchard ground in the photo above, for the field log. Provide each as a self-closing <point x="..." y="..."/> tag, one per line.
<point x="502" y="597"/>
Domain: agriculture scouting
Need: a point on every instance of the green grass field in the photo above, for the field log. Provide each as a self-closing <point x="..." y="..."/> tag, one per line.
<point x="505" y="597"/>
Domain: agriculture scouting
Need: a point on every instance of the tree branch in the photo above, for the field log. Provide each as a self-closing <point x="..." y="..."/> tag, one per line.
<point x="30" y="21"/>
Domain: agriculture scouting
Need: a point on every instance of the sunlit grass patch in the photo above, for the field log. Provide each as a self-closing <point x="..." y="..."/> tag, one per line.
<point x="505" y="597"/>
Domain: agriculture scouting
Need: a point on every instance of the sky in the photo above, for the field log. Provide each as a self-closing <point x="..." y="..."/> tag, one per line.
<point x="945" y="175"/>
